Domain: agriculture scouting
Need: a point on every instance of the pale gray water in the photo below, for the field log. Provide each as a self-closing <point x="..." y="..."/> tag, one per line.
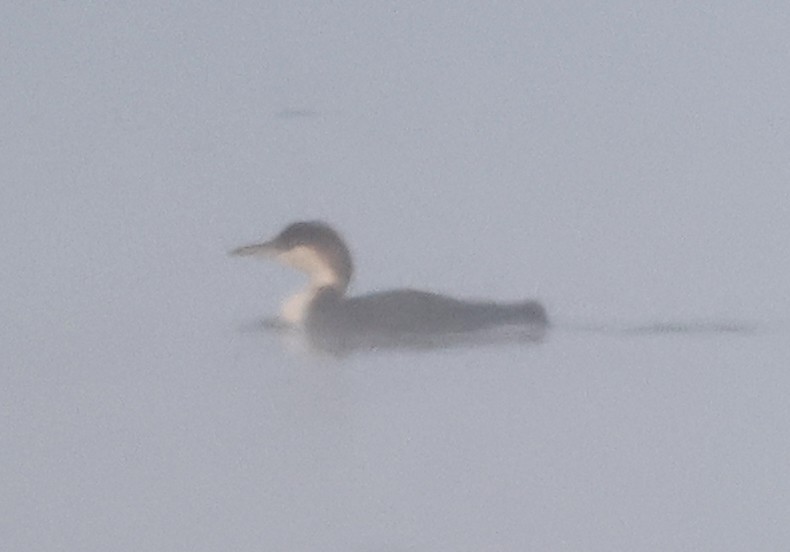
<point x="625" y="163"/>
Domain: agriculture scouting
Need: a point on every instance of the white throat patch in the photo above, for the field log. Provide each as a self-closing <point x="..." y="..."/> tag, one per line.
<point x="308" y="260"/>
<point x="294" y="309"/>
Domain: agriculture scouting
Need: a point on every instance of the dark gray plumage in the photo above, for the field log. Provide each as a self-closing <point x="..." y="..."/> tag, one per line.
<point x="401" y="317"/>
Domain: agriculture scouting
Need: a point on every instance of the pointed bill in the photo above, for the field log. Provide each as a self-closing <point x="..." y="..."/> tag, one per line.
<point x="265" y="249"/>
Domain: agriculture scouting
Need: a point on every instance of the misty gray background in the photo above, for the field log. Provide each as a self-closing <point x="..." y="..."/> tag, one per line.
<point x="625" y="162"/>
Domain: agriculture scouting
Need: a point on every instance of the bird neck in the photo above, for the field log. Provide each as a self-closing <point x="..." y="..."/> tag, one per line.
<point x="296" y="308"/>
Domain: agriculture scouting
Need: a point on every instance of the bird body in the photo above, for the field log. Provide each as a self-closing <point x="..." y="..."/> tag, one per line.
<point x="389" y="318"/>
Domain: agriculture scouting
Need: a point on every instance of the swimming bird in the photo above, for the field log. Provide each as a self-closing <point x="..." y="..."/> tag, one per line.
<point x="384" y="319"/>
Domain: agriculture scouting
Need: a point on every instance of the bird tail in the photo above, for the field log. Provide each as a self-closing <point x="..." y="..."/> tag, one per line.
<point x="528" y="311"/>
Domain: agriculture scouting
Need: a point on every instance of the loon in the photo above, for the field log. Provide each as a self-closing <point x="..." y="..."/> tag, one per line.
<point x="389" y="318"/>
